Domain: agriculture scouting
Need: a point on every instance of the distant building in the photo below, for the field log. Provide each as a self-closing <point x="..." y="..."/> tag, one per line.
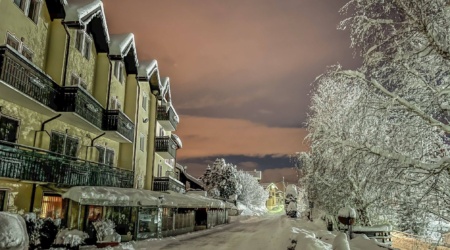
<point x="255" y="173"/>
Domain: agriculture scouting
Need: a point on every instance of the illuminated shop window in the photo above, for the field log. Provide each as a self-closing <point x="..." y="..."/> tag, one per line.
<point x="51" y="206"/>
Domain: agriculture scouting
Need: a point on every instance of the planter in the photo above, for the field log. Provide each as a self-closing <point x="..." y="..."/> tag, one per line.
<point x="106" y="244"/>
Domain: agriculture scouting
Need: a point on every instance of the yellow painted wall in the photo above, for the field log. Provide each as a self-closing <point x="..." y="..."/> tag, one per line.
<point x="56" y="51"/>
<point x="23" y="198"/>
<point x="35" y="35"/>
<point x="79" y="65"/>
<point x="100" y="88"/>
<point x="30" y="122"/>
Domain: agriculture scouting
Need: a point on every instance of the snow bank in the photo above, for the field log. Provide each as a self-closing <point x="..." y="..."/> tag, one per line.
<point x="13" y="232"/>
<point x="249" y="210"/>
<point x="362" y="242"/>
<point x="306" y="240"/>
<point x="341" y="242"/>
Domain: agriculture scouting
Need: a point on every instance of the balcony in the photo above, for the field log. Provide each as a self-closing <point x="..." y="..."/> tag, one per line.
<point x="23" y="83"/>
<point x="31" y="164"/>
<point x="166" y="147"/>
<point x="118" y="126"/>
<point x="82" y="109"/>
<point x="167" y="119"/>
<point x="162" y="184"/>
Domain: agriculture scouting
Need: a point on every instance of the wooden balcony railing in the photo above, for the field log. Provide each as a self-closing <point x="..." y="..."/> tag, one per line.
<point x="116" y="120"/>
<point x="166" y="146"/>
<point x="33" y="164"/>
<point x="167" y="118"/>
<point x="78" y="100"/>
<point x="24" y="76"/>
<point x="162" y="184"/>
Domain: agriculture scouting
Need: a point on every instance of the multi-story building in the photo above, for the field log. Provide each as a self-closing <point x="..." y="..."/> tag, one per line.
<point x="74" y="108"/>
<point x="166" y="142"/>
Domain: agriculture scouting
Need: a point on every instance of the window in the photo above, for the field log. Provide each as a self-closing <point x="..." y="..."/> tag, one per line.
<point x="118" y="71"/>
<point x="30" y="8"/>
<point x="144" y="101"/>
<point x="2" y="199"/>
<point x="161" y="131"/>
<point x="12" y="41"/>
<point x="63" y="144"/>
<point x="142" y="142"/>
<point x="105" y="155"/>
<point x="159" y="170"/>
<point x="19" y="3"/>
<point x="83" y="43"/>
<point x="26" y="52"/>
<point x="51" y="206"/>
<point x="33" y="10"/>
<point x="115" y="103"/>
<point x="78" y="81"/>
<point x="8" y="129"/>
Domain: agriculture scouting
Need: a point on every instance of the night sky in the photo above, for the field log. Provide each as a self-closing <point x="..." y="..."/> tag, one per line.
<point x="241" y="72"/>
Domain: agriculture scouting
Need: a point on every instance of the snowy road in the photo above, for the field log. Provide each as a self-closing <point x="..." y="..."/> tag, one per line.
<point x="268" y="232"/>
<point x="271" y="232"/>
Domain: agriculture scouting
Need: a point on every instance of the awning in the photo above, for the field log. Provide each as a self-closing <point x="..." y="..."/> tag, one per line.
<point x="111" y="196"/>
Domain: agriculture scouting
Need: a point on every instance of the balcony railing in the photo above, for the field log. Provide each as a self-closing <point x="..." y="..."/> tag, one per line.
<point x="21" y="74"/>
<point x="32" y="164"/>
<point x="166" y="147"/>
<point x="116" y="120"/>
<point x="162" y="184"/>
<point x="76" y="99"/>
<point x="167" y="118"/>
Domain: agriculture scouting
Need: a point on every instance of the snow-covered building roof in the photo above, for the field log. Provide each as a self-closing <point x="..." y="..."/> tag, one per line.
<point x="177" y="140"/>
<point x="188" y="176"/>
<point x="123" y="47"/>
<point x="149" y="72"/>
<point x="89" y="15"/>
<point x="112" y="196"/>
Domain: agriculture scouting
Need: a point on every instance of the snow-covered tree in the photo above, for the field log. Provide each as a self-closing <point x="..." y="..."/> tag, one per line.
<point x="381" y="131"/>
<point x="251" y="193"/>
<point x="220" y="179"/>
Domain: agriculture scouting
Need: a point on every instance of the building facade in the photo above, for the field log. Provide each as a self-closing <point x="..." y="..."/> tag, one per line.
<point x="76" y="106"/>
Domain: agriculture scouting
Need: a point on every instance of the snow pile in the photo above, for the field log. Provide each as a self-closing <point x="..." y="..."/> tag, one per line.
<point x="70" y="238"/>
<point x="105" y="231"/>
<point x="13" y="232"/>
<point x="341" y="242"/>
<point x="251" y="210"/>
<point x="362" y="242"/>
<point x="306" y="240"/>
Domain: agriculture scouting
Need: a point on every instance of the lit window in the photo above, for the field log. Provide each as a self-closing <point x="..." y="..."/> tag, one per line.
<point x="51" y="206"/>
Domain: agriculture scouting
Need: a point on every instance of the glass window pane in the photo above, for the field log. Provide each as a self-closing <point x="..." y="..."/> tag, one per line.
<point x="57" y="143"/>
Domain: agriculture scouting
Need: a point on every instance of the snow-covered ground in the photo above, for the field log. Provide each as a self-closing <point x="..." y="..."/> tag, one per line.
<point x="272" y="231"/>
